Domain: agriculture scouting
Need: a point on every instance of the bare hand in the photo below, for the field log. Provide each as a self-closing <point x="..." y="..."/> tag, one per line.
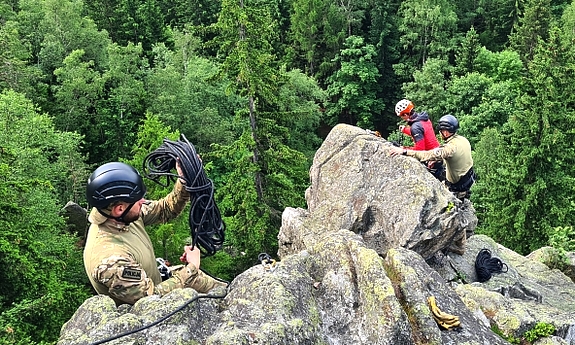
<point x="191" y="255"/>
<point x="396" y="151"/>
<point x="180" y="171"/>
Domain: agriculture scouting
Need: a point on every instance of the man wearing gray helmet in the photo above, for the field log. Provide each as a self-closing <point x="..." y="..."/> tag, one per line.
<point x="119" y="257"/>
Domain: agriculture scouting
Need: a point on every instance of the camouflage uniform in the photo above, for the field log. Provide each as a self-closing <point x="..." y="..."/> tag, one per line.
<point x="120" y="260"/>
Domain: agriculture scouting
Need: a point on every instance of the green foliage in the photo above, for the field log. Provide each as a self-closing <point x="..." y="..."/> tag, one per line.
<point x="185" y="94"/>
<point x="531" y="27"/>
<point x="41" y="151"/>
<point x="563" y="237"/>
<point x="42" y="281"/>
<point x="511" y="339"/>
<point x="541" y="330"/>
<point x="246" y="32"/>
<point x="178" y="13"/>
<point x="498" y="101"/>
<point x="106" y="108"/>
<point x="137" y="22"/>
<point x="298" y="101"/>
<point x="527" y="167"/>
<point x="252" y="221"/>
<point x="497" y="18"/>
<point x="427" y="91"/>
<point x="247" y="219"/>
<point x="317" y="31"/>
<point x="466" y="93"/>
<point x="353" y="88"/>
<point x="428" y="31"/>
<point x="15" y="73"/>
<point x="78" y="93"/>
<point x="64" y="29"/>
<point x="500" y="66"/>
<point x="466" y="55"/>
<point x="220" y="265"/>
<point x="257" y="175"/>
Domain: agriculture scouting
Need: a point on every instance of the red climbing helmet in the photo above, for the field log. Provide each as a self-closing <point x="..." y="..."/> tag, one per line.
<point x="404" y="107"/>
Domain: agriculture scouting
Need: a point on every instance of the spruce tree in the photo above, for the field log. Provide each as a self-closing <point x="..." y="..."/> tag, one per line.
<point x="526" y="173"/>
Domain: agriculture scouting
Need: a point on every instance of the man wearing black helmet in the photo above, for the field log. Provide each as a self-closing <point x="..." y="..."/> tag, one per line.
<point x="119" y="257"/>
<point x="456" y="156"/>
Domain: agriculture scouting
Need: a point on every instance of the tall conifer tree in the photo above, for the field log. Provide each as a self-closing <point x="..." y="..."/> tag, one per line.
<point x="258" y="171"/>
<point x="530" y="183"/>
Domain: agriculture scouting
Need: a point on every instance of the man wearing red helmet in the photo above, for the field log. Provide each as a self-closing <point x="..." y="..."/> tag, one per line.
<point x="420" y="129"/>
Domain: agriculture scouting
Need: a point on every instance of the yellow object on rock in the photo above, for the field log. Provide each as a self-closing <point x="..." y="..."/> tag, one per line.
<point x="444" y="320"/>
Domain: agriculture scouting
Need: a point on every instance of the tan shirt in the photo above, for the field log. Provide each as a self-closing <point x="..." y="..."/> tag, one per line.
<point x="455" y="153"/>
<point x="119" y="260"/>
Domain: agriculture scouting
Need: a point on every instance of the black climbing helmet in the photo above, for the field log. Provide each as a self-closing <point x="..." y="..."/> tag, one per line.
<point x="112" y="182"/>
<point x="448" y="123"/>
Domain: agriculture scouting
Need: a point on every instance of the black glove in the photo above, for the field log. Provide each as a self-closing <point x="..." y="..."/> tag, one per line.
<point x="395" y="143"/>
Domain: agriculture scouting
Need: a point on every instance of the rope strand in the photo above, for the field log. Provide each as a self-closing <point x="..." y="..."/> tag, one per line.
<point x="206" y="225"/>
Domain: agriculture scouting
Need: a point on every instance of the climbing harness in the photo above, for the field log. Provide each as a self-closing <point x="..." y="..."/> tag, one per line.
<point x="461" y="189"/>
<point x="444" y="320"/>
<point x="485" y="265"/>
<point x="206" y="225"/>
<point x="267" y="262"/>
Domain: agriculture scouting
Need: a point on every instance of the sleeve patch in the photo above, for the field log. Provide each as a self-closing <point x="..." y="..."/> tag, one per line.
<point x="132" y="273"/>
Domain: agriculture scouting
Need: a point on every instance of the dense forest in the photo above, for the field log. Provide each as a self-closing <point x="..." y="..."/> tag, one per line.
<point x="255" y="85"/>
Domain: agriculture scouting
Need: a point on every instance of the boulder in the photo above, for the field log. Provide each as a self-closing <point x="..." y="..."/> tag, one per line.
<point x="355" y="267"/>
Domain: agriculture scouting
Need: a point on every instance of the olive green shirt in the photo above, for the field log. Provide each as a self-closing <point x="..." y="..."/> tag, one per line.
<point x="455" y="153"/>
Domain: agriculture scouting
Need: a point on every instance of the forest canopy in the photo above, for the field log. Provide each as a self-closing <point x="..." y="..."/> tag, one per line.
<point x="256" y="85"/>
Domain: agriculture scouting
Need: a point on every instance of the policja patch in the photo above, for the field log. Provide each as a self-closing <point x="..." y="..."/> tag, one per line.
<point x="132" y="273"/>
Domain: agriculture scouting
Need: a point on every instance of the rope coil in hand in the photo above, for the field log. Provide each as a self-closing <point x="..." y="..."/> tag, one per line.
<point x="206" y="225"/>
<point x="485" y="265"/>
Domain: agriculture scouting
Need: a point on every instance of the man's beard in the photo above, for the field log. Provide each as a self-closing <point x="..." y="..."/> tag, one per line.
<point x="131" y="217"/>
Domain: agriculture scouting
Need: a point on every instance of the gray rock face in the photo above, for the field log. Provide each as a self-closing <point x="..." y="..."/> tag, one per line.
<point x="76" y="218"/>
<point x="390" y="201"/>
<point x="356" y="267"/>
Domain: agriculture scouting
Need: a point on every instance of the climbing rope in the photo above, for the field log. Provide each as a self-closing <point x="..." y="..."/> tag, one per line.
<point x="206" y="225"/>
<point x="486" y="265"/>
<point x="163" y="318"/>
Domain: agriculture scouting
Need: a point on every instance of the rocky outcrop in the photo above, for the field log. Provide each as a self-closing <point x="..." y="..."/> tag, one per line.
<point x="356" y="267"/>
<point x="76" y="218"/>
<point x="555" y="258"/>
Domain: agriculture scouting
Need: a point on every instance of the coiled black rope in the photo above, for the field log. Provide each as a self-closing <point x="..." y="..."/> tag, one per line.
<point x="486" y="265"/>
<point x="206" y="225"/>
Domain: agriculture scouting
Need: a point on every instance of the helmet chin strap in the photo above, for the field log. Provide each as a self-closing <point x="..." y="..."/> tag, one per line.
<point x="121" y="217"/>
